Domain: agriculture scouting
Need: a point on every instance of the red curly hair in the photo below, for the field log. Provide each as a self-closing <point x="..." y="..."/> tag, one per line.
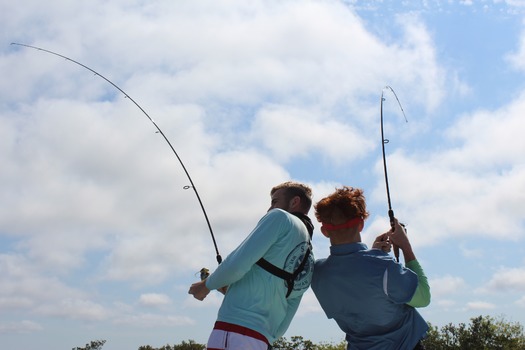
<point x="344" y="204"/>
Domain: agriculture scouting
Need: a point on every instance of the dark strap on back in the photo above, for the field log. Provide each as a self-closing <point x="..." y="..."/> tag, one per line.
<point x="285" y="275"/>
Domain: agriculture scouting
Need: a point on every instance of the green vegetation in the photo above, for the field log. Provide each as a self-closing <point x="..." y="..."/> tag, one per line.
<point x="298" y="343"/>
<point x="482" y="333"/>
<point x="190" y="345"/>
<point x="93" y="345"/>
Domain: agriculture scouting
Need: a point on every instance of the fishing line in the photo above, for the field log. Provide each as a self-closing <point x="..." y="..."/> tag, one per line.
<point x="383" y="143"/>
<point x="192" y="185"/>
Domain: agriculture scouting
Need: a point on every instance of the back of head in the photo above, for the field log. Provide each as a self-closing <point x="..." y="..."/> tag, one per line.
<point x="344" y="204"/>
<point x="300" y="190"/>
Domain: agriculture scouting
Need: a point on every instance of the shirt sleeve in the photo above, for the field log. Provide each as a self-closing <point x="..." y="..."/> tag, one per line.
<point x="242" y="259"/>
<point x="421" y="297"/>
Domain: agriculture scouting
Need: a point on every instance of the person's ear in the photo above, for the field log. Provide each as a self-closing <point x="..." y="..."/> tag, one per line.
<point x="361" y="225"/>
<point x="325" y="232"/>
<point x="294" y="203"/>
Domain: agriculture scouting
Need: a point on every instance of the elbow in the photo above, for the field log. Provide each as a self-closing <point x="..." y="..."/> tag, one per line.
<point x="425" y="301"/>
<point x="421" y="300"/>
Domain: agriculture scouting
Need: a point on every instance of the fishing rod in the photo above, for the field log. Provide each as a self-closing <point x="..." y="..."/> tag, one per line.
<point x="192" y="185"/>
<point x="383" y="143"/>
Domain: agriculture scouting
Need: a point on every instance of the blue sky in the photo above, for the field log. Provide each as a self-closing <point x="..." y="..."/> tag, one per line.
<point x="98" y="238"/>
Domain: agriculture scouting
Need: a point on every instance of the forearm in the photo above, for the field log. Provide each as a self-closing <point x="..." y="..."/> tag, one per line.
<point x="408" y="254"/>
<point x="421" y="296"/>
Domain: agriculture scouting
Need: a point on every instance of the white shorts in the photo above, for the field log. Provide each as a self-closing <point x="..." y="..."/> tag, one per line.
<point x="229" y="339"/>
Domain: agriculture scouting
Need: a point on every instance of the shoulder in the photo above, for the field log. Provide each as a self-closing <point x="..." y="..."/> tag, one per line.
<point x="322" y="267"/>
<point x="277" y="213"/>
<point x="278" y="216"/>
<point x="275" y="221"/>
<point x="320" y="262"/>
<point x="377" y="253"/>
<point x="274" y="216"/>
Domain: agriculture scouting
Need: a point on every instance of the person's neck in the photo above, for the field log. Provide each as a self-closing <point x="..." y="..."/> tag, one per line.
<point x="345" y="238"/>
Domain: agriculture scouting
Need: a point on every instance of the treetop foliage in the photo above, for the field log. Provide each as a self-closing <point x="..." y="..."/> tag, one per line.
<point x="93" y="345"/>
<point x="482" y="333"/>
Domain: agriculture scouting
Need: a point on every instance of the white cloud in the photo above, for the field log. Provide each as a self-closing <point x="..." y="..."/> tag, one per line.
<point x="154" y="299"/>
<point x="473" y="253"/>
<point x="445" y="303"/>
<point x="446" y="285"/>
<point x="517" y="58"/>
<point x="154" y="320"/>
<point x="466" y="2"/>
<point x="521" y="302"/>
<point x="419" y="47"/>
<point x="76" y="309"/>
<point x="23" y="327"/>
<point x="294" y="133"/>
<point x="507" y="279"/>
<point x="480" y="305"/>
<point x="24" y="285"/>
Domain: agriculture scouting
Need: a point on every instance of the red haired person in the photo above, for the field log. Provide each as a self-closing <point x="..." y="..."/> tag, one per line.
<point x="367" y="292"/>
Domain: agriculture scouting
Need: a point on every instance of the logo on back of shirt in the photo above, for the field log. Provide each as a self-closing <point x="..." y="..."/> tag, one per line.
<point x="293" y="260"/>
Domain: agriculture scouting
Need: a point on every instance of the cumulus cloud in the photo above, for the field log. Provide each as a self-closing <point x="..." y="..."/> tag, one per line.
<point x="516" y="58"/>
<point x="149" y="320"/>
<point x="291" y="133"/>
<point x="507" y="279"/>
<point x="445" y="303"/>
<point x="446" y="285"/>
<point x="23" y="327"/>
<point x="76" y="309"/>
<point x="24" y="285"/>
<point x="469" y="252"/>
<point x="521" y="302"/>
<point x="480" y="306"/>
<point x="154" y="299"/>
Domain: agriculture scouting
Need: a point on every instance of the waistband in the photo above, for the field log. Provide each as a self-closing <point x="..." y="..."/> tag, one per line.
<point x="229" y="327"/>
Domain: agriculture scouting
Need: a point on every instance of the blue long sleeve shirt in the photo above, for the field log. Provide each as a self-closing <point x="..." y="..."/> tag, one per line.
<point x="366" y="292"/>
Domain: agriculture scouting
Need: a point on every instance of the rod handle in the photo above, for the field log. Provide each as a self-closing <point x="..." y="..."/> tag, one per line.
<point x="393" y="226"/>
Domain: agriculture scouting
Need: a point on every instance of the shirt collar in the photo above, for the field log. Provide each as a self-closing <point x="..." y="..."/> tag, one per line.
<point x="347" y="248"/>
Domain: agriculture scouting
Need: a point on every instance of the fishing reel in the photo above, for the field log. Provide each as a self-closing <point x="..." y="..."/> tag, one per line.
<point x="396" y="248"/>
<point x="203" y="273"/>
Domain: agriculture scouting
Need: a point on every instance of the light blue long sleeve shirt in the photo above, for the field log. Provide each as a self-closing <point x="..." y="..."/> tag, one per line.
<point x="256" y="299"/>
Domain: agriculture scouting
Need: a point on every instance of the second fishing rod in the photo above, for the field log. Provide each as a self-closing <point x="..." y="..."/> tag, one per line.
<point x="384" y="141"/>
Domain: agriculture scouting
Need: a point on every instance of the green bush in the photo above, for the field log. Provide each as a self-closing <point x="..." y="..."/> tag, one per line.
<point x="483" y="333"/>
<point x="190" y="345"/>
<point x="93" y="345"/>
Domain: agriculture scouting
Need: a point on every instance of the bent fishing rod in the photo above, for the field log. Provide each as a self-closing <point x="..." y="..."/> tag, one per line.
<point x="383" y="143"/>
<point x="192" y="185"/>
